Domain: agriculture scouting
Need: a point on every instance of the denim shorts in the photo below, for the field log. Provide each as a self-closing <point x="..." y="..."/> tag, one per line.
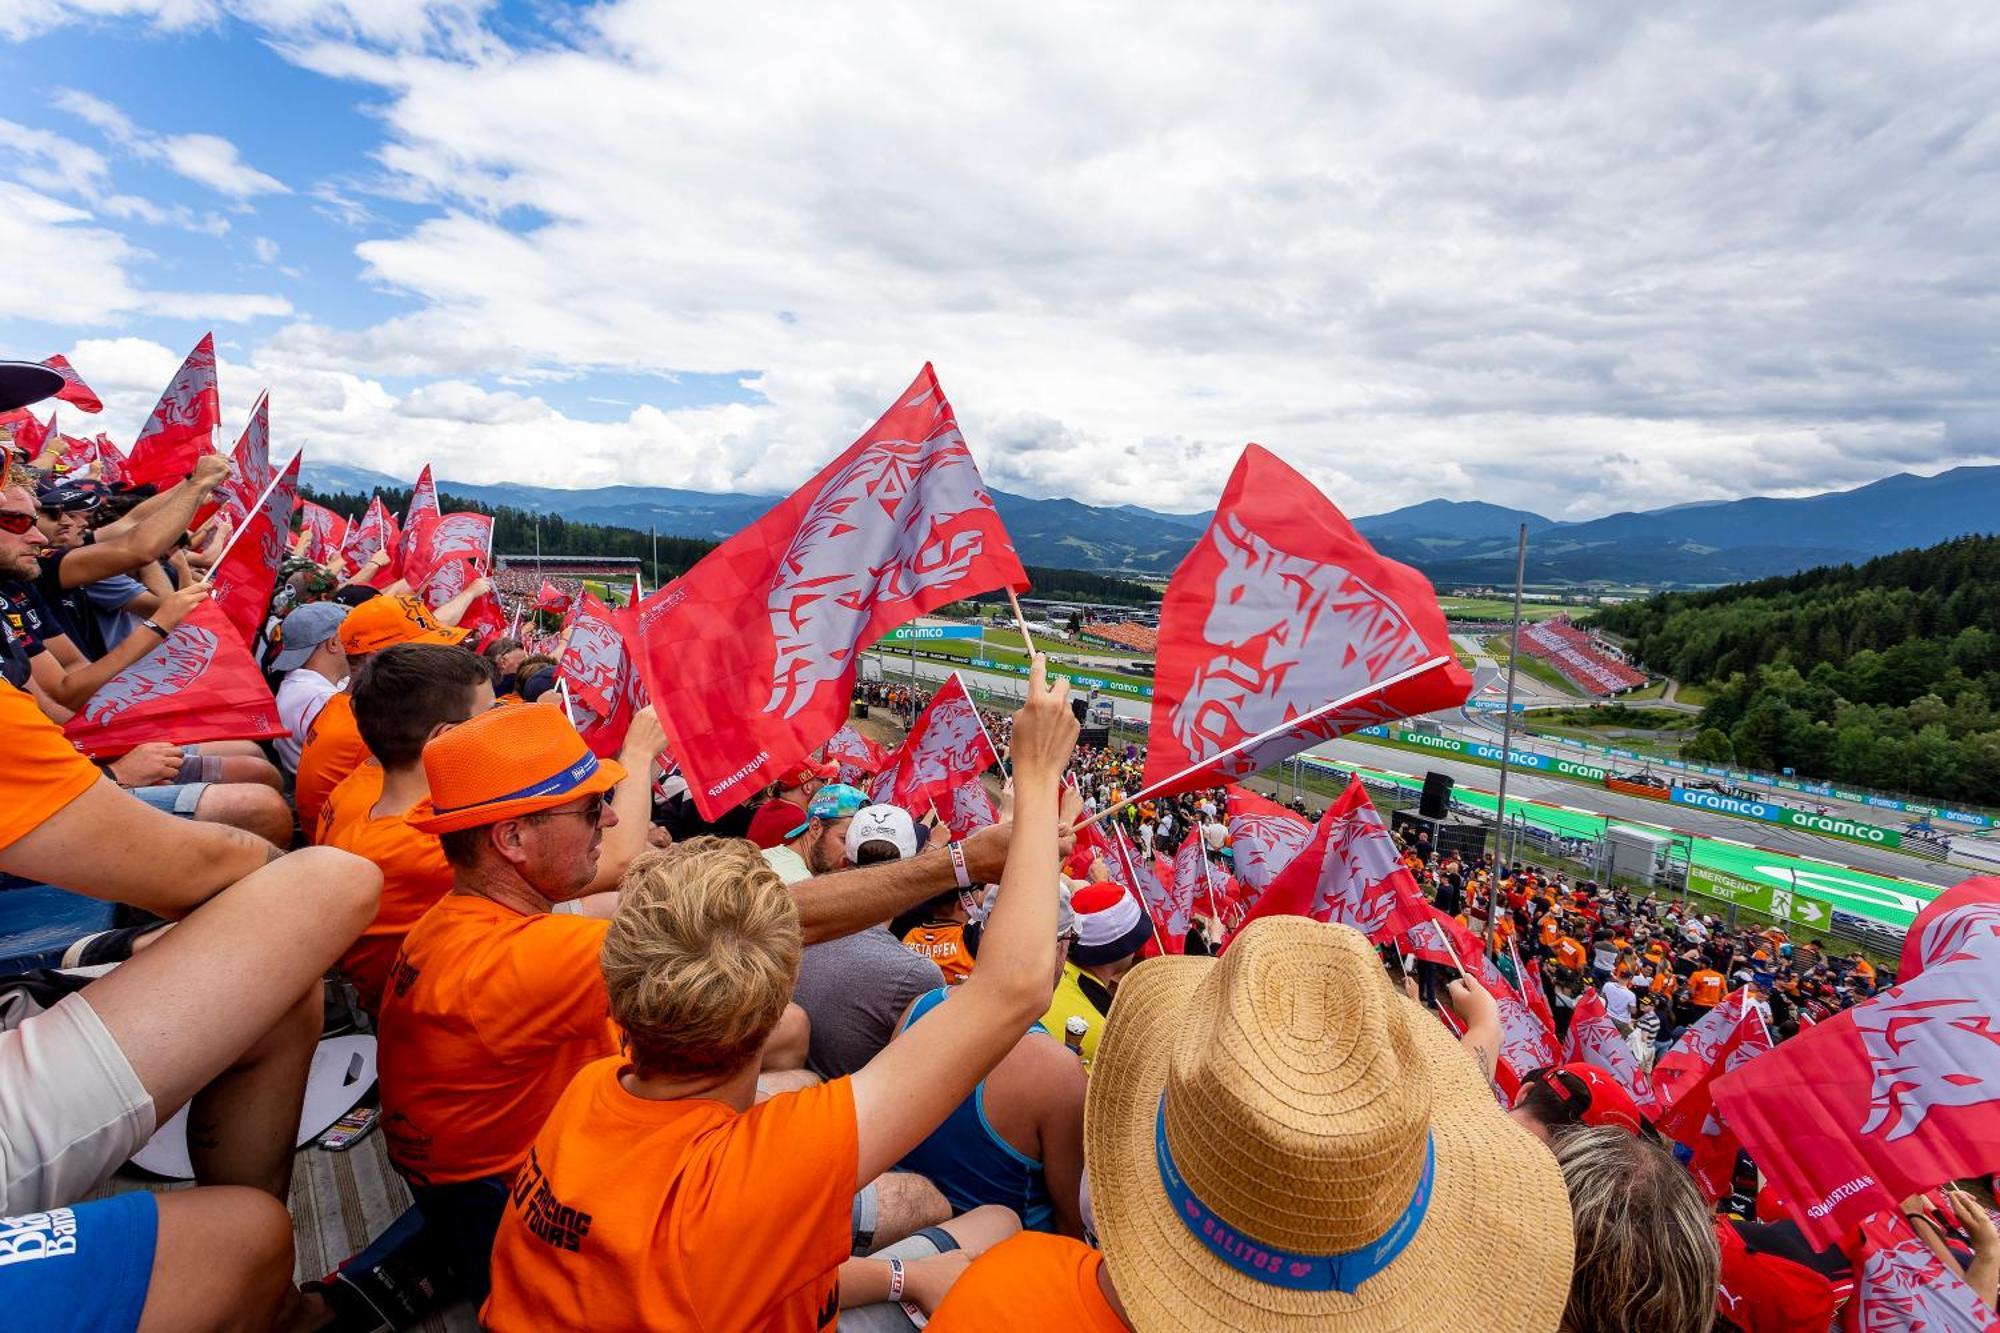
<point x="174" y="798"/>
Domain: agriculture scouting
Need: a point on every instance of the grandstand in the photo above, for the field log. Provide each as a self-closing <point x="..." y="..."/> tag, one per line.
<point x="1579" y="658"/>
<point x="1123" y="634"/>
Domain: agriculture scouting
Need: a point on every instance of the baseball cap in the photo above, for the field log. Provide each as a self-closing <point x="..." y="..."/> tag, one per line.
<point x="303" y="629"/>
<point x="834" y="801"/>
<point x="24" y="382"/>
<point x="1768" y="1293"/>
<point x="977" y="917"/>
<point x="67" y="497"/>
<point x="1109" y="924"/>
<point x="809" y="772"/>
<point x="505" y="763"/>
<point x="882" y="823"/>
<point x="384" y="622"/>
<point x="1604" y="1102"/>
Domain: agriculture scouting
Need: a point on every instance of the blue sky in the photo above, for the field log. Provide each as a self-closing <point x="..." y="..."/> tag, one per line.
<point x="1575" y="261"/>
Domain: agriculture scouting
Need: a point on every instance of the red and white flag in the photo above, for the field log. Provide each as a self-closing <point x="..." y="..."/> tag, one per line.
<point x="1171" y="901"/>
<point x="377" y="531"/>
<point x="859" y="758"/>
<point x="552" y="599"/>
<point x="898" y="525"/>
<point x="1282" y="628"/>
<point x="441" y="540"/>
<point x="1594" y="1039"/>
<point x="1691" y="1057"/>
<point x="598" y="672"/>
<point x="947" y="745"/>
<point x="244" y="578"/>
<point x="969" y="808"/>
<point x="1264" y="835"/>
<point x="200" y="684"/>
<point x="638" y="592"/>
<point x="183" y="424"/>
<point x="1894" y="1096"/>
<point x="1688" y="1112"/>
<point x="323" y="531"/>
<point x="1526" y="1043"/>
<point x="29" y="432"/>
<point x="1901" y="1286"/>
<point x="423" y="499"/>
<point x="1350" y="874"/>
<point x="1529" y="983"/>
<point x="112" y="465"/>
<point x="250" y="470"/>
<point x="74" y="391"/>
<point x="1145" y="878"/>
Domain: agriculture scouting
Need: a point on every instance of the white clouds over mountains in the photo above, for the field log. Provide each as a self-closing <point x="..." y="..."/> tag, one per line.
<point x="1571" y="258"/>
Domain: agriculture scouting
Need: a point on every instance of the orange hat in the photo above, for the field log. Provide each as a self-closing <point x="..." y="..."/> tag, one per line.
<point x="384" y="622"/>
<point x="505" y="763"/>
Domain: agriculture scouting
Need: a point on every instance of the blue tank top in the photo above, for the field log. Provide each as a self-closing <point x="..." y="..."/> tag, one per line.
<point x="969" y="1162"/>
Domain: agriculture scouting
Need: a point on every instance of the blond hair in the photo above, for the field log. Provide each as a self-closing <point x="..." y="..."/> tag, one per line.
<point x="701" y="956"/>
<point x="1647" y="1260"/>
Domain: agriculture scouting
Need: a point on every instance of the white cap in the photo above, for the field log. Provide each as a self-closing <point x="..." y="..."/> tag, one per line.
<point x="882" y="823"/>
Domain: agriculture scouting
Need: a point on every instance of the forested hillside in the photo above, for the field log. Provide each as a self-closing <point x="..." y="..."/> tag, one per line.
<point x="1885" y="674"/>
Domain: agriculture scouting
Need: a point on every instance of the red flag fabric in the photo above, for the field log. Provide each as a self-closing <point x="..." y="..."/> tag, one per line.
<point x="1265" y="837"/>
<point x="423" y="499"/>
<point x="200" y="684"/>
<point x="898" y="525"/>
<point x="112" y="465"/>
<point x="1893" y="1096"/>
<point x="1526" y="1043"/>
<point x="1688" y="1115"/>
<point x="30" y="433"/>
<point x="250" y="470"/>
<point x="323" y="531"/>
<point x="1147" y="883"/>
<point x="244" y="578"/>
<point x="597" y="670"/>
<point x="1348" y="873"/>
<point x="440" y="540"/>
<point x="1171" y="901"/>
<point x="638" y="592"/>
<point x="552" y="599"/>
<point x="1691" y="1057"/>
<point x="859" y="758"/>
<point x="969" y="808"/>
<point x="183" y="424"/>
<point x="947" y="745"/>
<point x="1901" y="1286"/>
<point x="74" y="391"/>
<point x="377" y="531"/>
<point x="1283" y="628"/>
<point x="1532" y="990"/>
<point x="1594" y="1039"/>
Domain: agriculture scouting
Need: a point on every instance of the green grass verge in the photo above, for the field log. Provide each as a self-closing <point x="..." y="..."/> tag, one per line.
<point x="1494" y="608"/>
<point x="1535" y="667"/>
<point x="968" y="651"/>
<point x="1011" y="638"/>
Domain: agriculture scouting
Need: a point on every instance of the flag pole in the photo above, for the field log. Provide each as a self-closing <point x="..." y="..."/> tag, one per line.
<point x="1020" y="621"/>
<point x="1507" y="729"/>
<point x="255" y="509"/>
<point x="1208" y="878"/>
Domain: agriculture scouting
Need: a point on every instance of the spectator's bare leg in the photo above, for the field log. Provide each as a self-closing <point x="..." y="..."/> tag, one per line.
<point x="249" y="806"/>
<point x="242" y="1126"/>
<point x="982" y="1228"/>
<point x="252" y="768"/>
<point x="223" y="1261"/>
<point x="906" y="1203"/>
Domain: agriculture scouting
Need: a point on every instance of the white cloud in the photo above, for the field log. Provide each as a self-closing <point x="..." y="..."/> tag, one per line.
<point x="208" y="223"/>
<point x="205" y="159"/>
<point x="51" y="162"/>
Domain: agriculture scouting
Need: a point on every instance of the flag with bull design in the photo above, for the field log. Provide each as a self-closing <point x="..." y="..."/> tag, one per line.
<point x="322" y="528"/>
<point x="250" y="470"/>
<point x="1688" y="1113"/>
<point x="552" y="599"/>
<point x="200" y="684"/>
<point x="423" y="499"/>
<point x="436" y="541"/>
<point x="74" y="391"/>
<point x="1171" y="900"/>
<point x="183" y="424"/>
<point x="1526" y="1043"/>
<point x="1894" y="1096"/>
<point x="969" y="808"/>
<point x="29" y="433"/>
<point x="1595" y="1040"/>
<point x="896" y="526"/>
<point x="859" y="758"/>
<point x="947" y="745"/>
<point x="1264" y="835"/>
<point x="1348" y="873"/>
<point x="1901" y="1286"/>
<point x="602" y="681"/>
<point x="377" y="531"/>
<point x="243" y="579"/>
<point x="1282" y="628"/>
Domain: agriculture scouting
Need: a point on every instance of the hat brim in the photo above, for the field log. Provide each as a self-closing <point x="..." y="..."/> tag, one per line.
<point x="449" y="638"/>
<point x="1495" y="1249"/>
<point x="1133" y="940"/>
<point x="291" y="659"/>
<point x="608" y="775"/>
<point x="24" y="382"/>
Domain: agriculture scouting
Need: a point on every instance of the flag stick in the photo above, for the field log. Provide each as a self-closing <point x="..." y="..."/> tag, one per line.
<point x="1452" y="949"/>
<point x="1261" y="737"/>
<point x="1020" y="621"/>
<point x="255" y="509"/>
<point x="1208" y="878"/>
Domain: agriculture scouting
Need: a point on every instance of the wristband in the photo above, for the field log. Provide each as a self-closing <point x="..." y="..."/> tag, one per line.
<point x="957" y="850"/>
<point x="154" y="626"/>
<point x="895" y="1279"/>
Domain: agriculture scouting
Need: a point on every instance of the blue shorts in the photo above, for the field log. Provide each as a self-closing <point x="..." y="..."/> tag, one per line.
<point x="85" y="1267"/>
<point x="173" y="798"/>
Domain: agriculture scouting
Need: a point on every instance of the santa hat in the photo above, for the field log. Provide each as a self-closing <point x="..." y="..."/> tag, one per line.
<point x="1110" y="924"/>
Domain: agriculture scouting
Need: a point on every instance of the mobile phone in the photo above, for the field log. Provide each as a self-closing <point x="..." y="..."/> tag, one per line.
<point x="350" y="1129"/>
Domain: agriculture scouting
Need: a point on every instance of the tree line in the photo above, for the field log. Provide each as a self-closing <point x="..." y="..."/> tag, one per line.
<point x="1884" y="674"/>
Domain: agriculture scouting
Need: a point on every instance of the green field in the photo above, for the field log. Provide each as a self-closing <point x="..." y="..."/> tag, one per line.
<point x="968" y="651"/>
<point x="1496" y="648"/>
<point x="1494" y="608"/>
<point x="1656" y="748"/>
<point x="1011" y="638"/>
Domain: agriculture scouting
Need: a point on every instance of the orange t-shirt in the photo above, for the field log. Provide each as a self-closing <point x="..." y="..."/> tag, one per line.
<point x="1551" y="930"/>
<point x="1032" y="1280"/>
<point x="640" y="1214"/>
<point x="1570" y="953"/>
<point x="945" y="946"/>
<point x="44" y="771"/>
<point x="415" y="875"/>
<point x="333" y="749"/>
<point x="1663" y="981"/>
<point x="1706" y="987"/>
<point x="488" y="1015"/>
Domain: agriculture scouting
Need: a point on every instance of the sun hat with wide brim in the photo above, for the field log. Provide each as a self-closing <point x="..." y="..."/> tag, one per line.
<point x="1280" y="1113"/>
<point x="505" y="763"/>
<point x="25" y="382"/>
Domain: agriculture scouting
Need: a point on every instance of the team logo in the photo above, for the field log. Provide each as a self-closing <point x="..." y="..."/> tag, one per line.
<point x="1922" y="1045"/>
<point x="1265" y="844"/>
<point x="952" y="745"/>
<point x="1358" y="874"/>
<point x="1904" y="1287"/>
<point x="594" y="662"/>
<point x="168" y="669"/>
<point x="972" y="808"/>
<point x="180" y="408"/>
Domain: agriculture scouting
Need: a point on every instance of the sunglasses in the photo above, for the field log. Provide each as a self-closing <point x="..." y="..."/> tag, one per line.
<point x="594" y="811"/>
<point x="16" y="522"/>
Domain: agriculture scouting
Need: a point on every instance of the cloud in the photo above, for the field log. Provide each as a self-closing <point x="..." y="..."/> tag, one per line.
<point x="205" y="159"/>
<point x="51" y="162"/>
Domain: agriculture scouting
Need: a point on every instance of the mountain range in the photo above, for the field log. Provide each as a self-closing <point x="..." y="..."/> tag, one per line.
<point x="1455" y="542"/>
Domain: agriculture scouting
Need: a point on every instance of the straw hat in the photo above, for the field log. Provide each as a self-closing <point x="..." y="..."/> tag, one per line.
<point x="1315" y="1123"/>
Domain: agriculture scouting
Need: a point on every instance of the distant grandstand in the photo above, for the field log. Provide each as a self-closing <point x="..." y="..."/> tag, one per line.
<point x="1122" y="634"/>
<point x="1580" y="659"/>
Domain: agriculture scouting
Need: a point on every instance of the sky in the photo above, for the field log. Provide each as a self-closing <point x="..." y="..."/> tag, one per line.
<point x="1572" y="258"/>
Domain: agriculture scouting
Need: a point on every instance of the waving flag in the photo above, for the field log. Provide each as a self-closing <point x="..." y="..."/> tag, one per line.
<point x="1283" y="628"/>
<point x="898" y="525"/>
<point x="1535" y="995"/>
<point x="1691" y="1058"/>
<point x="859" y="758"/>
<point x="1526" y="1043"/>
<point x="1348" y="873"/>
<point x="600" y="676"/>
<point x="30" y="433"/>
<point x="74" y="391"/>
<point x="112" y="465"/>
<point x="947" y="745"/>
<point x="423" y="499"/>
<point x="552" y="599"/>
<point x="1688" y="1115"/>
<point x="250" y="470"/>
<point x="439" y="540"/>
<point x="323" y="531"/>
<point x="1893" y="1096"/>
<point x="969" y="808"/>
<point x="244" y="578"/>
<point x="183" y="424"/>
<point x="200" y="684"/>
<point x="1594" y="1039"/>
<point x="1901" y="1286"/>
<point x="1265" y="836"/>
<point x="376" y="531"/>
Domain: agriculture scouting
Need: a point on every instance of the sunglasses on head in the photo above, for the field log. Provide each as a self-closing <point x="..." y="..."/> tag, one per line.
<point x="16" y="522"/>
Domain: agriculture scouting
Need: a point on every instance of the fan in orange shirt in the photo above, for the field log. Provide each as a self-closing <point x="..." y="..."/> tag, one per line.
<point x="402" y="696"/>
<point x="1706" y="988"/>
<point x="941" y="938"/>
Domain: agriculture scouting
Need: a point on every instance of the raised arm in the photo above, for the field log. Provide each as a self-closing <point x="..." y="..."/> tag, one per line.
<point x="908" y="1089"/>
<point x="148" y="532"/>
<point x="454" y="610"/>
<point x="71" y="686"/>
<point x="848" y="901"/>
<point x="633" y="800"/>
